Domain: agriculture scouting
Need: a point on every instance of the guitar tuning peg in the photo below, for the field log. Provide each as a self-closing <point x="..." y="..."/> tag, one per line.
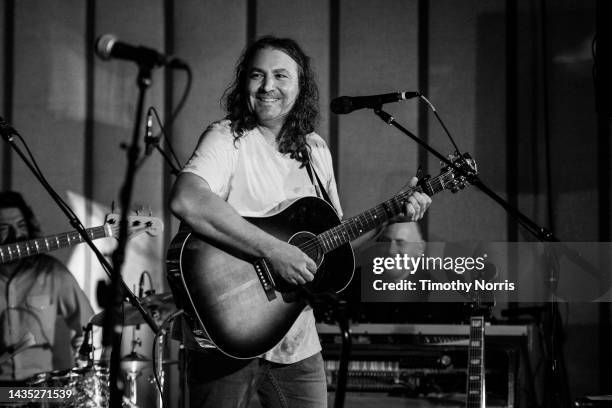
<point x="420" y="172"/>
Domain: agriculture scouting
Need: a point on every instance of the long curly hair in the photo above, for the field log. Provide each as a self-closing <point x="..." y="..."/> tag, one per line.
<point x="302" y="118"/>
<point x="12" y="199"/>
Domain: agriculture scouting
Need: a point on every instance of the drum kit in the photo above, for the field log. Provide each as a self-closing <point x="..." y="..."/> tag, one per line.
<point x="90" y="384"/>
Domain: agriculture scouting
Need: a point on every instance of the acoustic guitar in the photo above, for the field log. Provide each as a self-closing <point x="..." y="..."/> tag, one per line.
<point x="239" y="303"/>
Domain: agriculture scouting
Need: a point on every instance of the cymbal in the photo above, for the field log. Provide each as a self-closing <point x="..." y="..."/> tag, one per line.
<point x="134" y="362"/>
<point x="158" y="305"/>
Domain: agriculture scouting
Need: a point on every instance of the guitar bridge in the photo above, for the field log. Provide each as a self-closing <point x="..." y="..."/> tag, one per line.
<point x="265" y="278"/>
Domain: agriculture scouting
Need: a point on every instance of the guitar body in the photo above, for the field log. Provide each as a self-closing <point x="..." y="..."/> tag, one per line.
<point x="225" y="293"/>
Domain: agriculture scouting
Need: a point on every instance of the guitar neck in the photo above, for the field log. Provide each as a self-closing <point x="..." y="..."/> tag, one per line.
<point x="358" y="225"/>
<point x="476" y="370"/>
<point x="18" y="250"/>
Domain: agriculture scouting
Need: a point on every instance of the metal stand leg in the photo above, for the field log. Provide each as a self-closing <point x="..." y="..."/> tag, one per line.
<point x="160" y="367"/>
<point x="182" y="384"/>
<point x="132" y="387"/>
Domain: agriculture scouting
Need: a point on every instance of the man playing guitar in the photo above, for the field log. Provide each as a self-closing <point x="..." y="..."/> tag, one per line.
<point x="262" y="155"/>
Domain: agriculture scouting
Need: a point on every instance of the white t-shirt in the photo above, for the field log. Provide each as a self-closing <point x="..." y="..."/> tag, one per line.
<point x="256" y="180"/>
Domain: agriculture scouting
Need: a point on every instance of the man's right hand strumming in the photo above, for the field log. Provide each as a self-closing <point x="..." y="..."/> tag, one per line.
<point x="291" y="264"/>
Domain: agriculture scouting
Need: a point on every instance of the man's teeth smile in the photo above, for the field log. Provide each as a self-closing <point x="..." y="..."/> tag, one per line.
<point x="267" y="99"/>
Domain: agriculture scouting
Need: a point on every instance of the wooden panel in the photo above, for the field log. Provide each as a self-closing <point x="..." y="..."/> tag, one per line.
<point x="49" y="97"/>
<point x="308" y="24"/>
<point x="378" y="54"/>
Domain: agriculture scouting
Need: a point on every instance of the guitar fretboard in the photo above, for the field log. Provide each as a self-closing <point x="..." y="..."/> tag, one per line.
<point x="475" y="380"/>
<point x="12" y="252"/>
<point x="358" y="225"/>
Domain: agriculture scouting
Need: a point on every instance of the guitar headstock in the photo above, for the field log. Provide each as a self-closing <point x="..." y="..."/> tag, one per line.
<point x="454" y="181"/>
<point x="449" y="178"/>
<point x="137" y="224"/>
<point x="483" y="298"/>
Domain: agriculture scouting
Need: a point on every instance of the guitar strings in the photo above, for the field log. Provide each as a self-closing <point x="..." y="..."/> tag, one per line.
<point x="314" y="244"/>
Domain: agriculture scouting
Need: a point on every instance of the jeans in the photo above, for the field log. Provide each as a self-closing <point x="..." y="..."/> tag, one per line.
<point x="217" y="381"/>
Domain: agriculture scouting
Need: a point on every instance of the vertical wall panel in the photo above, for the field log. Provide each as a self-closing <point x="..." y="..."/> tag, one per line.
<point x="573" y="133"/>
<point x="134" y="22"/>
<point x="467" y="87"/>
<point x="210" y="36"/>
<point x="573" y="125"/>
<point x="140" y="22"/>
<point x="4" y="82"/>
<point x="48" y="101"/>
<point x="3" y="7"/>
<point x="378" y="54"/>
<point x="309" y="26"/>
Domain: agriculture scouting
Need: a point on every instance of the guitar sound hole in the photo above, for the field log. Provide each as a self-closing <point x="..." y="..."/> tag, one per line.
<point x="307" y="242"/>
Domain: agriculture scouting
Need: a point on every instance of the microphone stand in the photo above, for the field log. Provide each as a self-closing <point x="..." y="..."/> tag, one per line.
<point x="112" y="329"/>
<point x="339" y="313"/>
<point x="556" y="375"/>
<point x="542" y="234"/>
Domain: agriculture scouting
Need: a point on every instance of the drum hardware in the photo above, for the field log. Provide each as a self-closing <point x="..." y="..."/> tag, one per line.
<point x="132" y="365"/>
<point x="158" y="305"/>
<point x="160" y="367"/>
<point x="158" y="356"/>
<point x="89" y="384"/>
<point x="134" y="362"/>
<point x="85" y="354"/>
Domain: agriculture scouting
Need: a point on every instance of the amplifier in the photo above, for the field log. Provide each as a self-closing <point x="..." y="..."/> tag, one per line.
<point x="425" y="360"/>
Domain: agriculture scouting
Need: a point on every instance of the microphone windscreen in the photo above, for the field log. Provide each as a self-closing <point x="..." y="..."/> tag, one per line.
<point x="342" y="105"/>
<point x="104" y="45"/>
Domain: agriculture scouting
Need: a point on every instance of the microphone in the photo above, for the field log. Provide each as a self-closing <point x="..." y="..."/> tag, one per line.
<point x="6" y="130"/>
<point x="150" y="143"/>
<point x="347" y="104"/>
<point x="107" y="47"/>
